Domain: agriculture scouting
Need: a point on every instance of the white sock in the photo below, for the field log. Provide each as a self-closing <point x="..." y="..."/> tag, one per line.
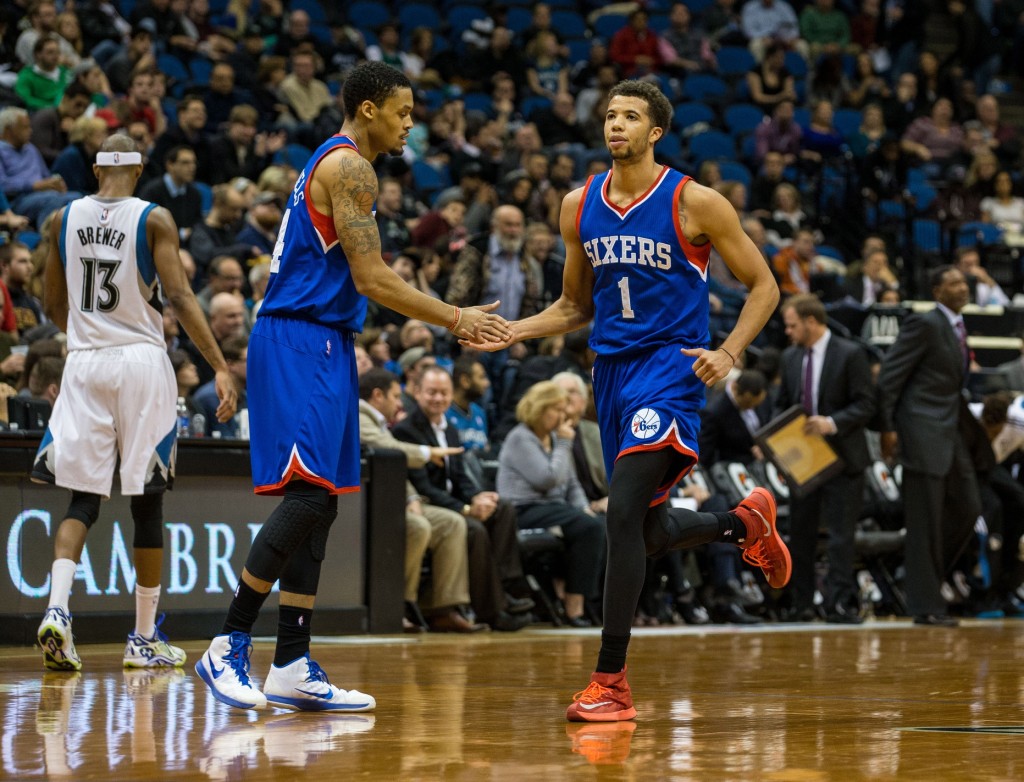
<point x="62" y="574"/>
<point x="146" y="599"/>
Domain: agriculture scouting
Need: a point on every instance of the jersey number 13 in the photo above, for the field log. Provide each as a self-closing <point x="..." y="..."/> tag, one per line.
<point x="98" y="289"/>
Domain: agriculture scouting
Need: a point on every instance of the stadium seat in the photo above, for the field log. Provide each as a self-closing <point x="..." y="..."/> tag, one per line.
<point x="519" y="19"/>
<point x="847" y="122"/>
<point x="433" y="99"/>
<point x="200" y="68"/>
<point x="294" y="155"/>
<point x="416" y="15"/>
<point x="924" y="196"/>
<point x="460" y="17"/>
<point x="532" y="103"/>
<point x="658" y="22"/>
<point x="173" y="68"/>
<point x="975" y="233"/>
<point x="830" y="252"/>
<point x="796" y="65"/>
<point x="569" y="24"/>
<point x="711" y="145"/>
<point x="579" y="50"/>
<point x="734" y="60"/>
<point x="742" y="117"/>
<point x="205" y="196"/>
<point x="701" y="86"/>
<point x="427" y="179"/>
<point x="735" y="172"/>
<point x="892" y="210"/>
<point x="311" y="7"/>
<point x="927" y="236"/>
<point x="607" y="25"/>
<point x="477" y="101"/>
<point x="698" y="6"/>
<point x="802" y="116"/>
<point x="687" y="114"/>
<point x="670" y="147"/>
<point x="28" y="238"/>
<point x="367" y="15"/>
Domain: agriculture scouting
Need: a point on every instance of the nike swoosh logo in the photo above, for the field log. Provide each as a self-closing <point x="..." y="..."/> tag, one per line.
<point x="215" y="670"/>
<point x="589" y="706"/>
<point x="767" y="526"/>
<point x="319" y="695"/>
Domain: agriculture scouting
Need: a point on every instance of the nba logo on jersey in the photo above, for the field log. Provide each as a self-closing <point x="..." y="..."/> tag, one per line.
<point x="646" y="423"/>
<point x="105" y="216"/>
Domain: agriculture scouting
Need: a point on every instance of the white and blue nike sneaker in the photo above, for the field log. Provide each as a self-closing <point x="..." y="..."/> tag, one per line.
<point x="225" y="669"/>
<point x="302" y="685"/>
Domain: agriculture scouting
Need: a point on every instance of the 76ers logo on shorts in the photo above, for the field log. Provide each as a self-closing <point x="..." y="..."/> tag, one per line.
<point x="646" y="423"/>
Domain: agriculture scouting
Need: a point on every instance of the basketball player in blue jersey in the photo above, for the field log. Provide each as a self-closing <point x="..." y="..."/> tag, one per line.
<point x="637" y="240"/>
<point x="303" y="389"/>
<point x="109" y="256"/>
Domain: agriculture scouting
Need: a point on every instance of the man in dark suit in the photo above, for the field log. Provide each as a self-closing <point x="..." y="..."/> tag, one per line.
<point x="175" y="192"/>
<point x="491" y="525"/>
<point x="920" y="394"/>
<point x="831" y="378"/>
<point x="728" y="423"/>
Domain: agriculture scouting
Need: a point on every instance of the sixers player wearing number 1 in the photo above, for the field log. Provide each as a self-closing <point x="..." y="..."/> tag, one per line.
<point x="109" y="255"/>
<point x="637" y="242"/>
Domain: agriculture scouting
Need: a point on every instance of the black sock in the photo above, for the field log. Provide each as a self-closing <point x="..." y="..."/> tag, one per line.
<point x="731" y="528"/>
<point x="244" y="609"/>
<point x="612" y="657"/>
<point x="292" y="634"/>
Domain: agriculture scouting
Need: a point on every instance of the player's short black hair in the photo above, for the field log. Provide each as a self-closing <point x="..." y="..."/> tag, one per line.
<point x="372" y="81"/>
<point x="659" y="109"/>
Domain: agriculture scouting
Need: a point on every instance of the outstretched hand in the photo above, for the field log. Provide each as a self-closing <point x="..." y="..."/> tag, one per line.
<point x="492" y="345"/>
<point x="711" y="365"/>
<point x="481" y="326"/>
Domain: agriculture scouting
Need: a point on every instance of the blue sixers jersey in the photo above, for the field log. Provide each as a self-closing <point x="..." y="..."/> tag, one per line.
<point x="650" y="283"/>
<point x="309" y="274"/>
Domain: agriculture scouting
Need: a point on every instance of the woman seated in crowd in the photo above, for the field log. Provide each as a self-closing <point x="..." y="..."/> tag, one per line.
<point x="1004" y="208"/>
<point x="537" y="475"/>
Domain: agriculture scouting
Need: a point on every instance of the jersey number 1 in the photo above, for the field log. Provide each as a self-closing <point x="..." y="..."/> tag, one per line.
<point x="627" y="312"/>
<point x="108" y="300"/>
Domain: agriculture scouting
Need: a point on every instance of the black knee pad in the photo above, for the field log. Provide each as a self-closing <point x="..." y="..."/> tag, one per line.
<point x="85" y="507"/>
<point x="303" y="508"/>
<point x="318" y="537"/>
<point x="148" y="515"/>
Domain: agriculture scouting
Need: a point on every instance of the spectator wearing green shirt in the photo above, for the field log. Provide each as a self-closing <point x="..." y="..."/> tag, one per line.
<point x="42" y="85"/>
<point x="826" y="30"/>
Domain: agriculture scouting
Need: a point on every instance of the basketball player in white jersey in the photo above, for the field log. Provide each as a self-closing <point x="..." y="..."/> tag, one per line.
<point x="109" y="256"/>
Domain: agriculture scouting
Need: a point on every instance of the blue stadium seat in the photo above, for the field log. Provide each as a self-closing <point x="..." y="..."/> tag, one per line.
<point x="427" y="179"/>
<point x="924" y="196"/>
<point x="532" y="103"/>
<point x="416" y="15"/>
<point x="830" y="252"/>
<point x="670" y="148"/>
<point x="518" y="19"/>
<point x="742" y="117"/>
<point x="658" y="22"/>
<point x="847" y="122"/>
<point x="322" y="32"/>
<point x="698" y="6"/>
<point x="701" y="86"/>
<point x="311" y="7"/>
<point x="579" y="50"/>
<point x="28" y="238"/>
<point x="687" y="114"/>
<point x="976" y="233"/>
<point x="893" y="210"/>
<point x="294" y="155"/>
<point x="460" y="17"/>
<point x="205" y="196"/>
<point x="927" y="236"/>
<point x="367" y="14"/>
<point x="477" y="101"/>
<point x="173" y="68"/>
<point x="433" y="99"/>
<point x="200" y="68"/>
<point x="796" y="65"/>
<point x="915" y="176"/>
<point x="736" y="172"/>
<point x="734" y="60"/>
<point x="569" y="24"/>
<point x="711" y="145"/>
<point x="748" y="148"/>
<point x="607" y="25"/>
<point x="802" y="116"/>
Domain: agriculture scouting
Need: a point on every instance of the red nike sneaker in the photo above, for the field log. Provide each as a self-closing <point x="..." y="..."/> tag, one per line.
<point x="763" y="546"/>
<point x="606" y="699"/>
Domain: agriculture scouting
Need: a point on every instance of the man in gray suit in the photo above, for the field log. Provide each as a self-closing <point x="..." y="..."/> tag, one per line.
<point x="831" y="378"/>
<point x="920" y="394"/>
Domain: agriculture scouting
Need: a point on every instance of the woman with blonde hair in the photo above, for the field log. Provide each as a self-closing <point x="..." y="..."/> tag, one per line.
<point x="536" y="474"/>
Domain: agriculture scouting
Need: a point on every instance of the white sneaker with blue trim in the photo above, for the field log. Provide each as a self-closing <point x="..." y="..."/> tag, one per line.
<point x="155" y="652"/>
<point x="225" y="669"/>
<point x="54" y="635"/>
<point x="302" y="685"/>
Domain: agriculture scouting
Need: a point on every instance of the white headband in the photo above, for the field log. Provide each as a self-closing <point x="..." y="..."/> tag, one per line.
<point x="118" y="159"/>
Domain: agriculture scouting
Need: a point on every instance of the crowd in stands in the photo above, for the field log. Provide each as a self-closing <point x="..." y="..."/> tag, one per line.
<point x="861" y="143"/>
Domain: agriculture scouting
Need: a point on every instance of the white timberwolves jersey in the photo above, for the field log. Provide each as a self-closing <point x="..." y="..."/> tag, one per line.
<point x="113" y="292"/>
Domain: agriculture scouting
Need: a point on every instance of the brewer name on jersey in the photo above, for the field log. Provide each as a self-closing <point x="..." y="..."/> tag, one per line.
<point x="638" y="250"/>
<point x="100" y="235"/>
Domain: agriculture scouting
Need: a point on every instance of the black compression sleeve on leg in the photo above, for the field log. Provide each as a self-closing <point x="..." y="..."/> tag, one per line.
<point x="301" y="509"/>
<point x="84" y="507"/>
<point x="148" y="515"/>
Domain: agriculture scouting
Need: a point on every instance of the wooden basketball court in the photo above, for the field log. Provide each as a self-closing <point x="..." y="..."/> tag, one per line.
<point x="885" y="701"/>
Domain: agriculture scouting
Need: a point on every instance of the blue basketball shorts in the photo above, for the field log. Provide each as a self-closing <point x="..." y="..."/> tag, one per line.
<point x="646" y="402"/>
<point x="303" y="406"/>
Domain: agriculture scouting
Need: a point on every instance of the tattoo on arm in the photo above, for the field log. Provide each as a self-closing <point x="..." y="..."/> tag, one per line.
<point x="353" y="192"/>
